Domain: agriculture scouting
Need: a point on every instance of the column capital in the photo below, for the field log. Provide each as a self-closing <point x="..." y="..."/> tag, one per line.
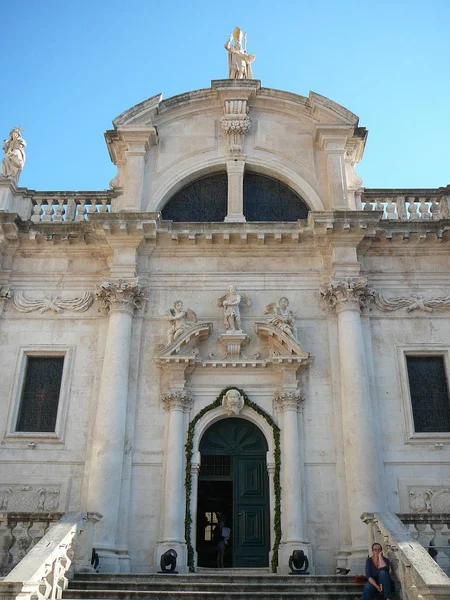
<point x="347" y="294"/>
<point x="288" y="400"/>
<point x="121" y="296"/>
<point x="177" y="400"/>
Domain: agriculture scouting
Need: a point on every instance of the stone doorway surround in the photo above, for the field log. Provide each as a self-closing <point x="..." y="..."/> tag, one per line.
<point x="284" y="362"/>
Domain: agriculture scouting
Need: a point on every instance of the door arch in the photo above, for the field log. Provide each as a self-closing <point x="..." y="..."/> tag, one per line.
<point x="233" y="486"/>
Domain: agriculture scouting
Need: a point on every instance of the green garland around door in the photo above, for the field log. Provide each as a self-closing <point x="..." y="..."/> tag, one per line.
<point x="276" y="476"/>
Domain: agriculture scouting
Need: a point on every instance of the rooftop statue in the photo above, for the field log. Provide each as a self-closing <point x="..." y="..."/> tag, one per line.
<point x="14" y="149"/>
<point x="239" y="62"/>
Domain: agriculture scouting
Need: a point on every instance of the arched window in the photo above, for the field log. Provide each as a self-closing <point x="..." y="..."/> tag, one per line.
<point x="267" y="199"/>
<point x="205" y="200"/>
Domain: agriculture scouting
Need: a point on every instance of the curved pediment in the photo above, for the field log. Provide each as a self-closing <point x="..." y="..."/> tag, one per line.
<point x="186" y="343"/>
<point x="283" y="346"/>
<point x="316" y="107"/>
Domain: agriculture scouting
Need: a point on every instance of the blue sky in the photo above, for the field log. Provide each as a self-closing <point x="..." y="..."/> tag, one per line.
<point x="69" y="68"/>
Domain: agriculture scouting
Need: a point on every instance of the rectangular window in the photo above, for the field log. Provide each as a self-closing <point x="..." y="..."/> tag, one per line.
<point x="40" y="396"/>
<point x="429" y="393"/>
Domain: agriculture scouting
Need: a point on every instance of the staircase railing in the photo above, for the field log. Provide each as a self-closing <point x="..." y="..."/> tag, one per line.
<point x="44" y="572"/>
<point x="417" y="576"/>
<point x="432" y="530"/>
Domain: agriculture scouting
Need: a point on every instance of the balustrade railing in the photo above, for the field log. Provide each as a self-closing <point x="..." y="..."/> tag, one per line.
<point x="409" y="206"/>
<point x="433" y="532"/>
<point x="19" y="532"/>
<point x="416" y="574"/>
<point x="44" y="571"/>
<point x="58" y="208"/>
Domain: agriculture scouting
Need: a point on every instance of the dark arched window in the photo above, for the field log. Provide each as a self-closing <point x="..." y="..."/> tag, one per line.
<point x="267" y="199"/>
<point x="205" y="200"/>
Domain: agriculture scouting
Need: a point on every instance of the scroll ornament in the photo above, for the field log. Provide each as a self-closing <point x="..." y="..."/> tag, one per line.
<point x="413" y="302"/>
<point x="55" y="304"/>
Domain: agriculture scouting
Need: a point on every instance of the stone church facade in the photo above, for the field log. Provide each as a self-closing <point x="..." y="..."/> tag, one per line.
<point x="236" y="330"/>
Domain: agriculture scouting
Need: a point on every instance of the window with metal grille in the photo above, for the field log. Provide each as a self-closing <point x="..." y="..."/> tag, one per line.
<point x="215" y="466"/>
<point x="40" y="395"/>
<point x="429" y="393"/>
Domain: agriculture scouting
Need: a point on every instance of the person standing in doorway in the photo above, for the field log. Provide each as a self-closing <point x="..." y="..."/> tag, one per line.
<point x="220" y="543"/>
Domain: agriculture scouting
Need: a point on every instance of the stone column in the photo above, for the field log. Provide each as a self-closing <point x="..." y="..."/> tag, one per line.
<point x="235" y="171"/>
<point x="120" y="299"/>
<point x="347" y="297"/>
<point x="176" y="402"/>
<point x="195" y="472"/>
<point x="235" y="124"/>
<point x="288" y="402"/>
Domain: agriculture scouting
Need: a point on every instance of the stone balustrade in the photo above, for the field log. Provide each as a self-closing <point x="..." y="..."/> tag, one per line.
<point x="413" y="205"/>
<point x="19" y="532"/>
<point x="433" y="532"/>
<point x="68" y="206"/>
<point x="416" y="574"/>
<point x="44" y="569"/>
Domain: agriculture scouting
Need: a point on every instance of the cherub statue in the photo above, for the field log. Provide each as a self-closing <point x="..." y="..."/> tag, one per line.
<point x="282" y="317"/>
<point x="239" y="62"/>
<point x="230" y="303"/>
<point x="179" y="320"/>
<point x="14" y="149"/>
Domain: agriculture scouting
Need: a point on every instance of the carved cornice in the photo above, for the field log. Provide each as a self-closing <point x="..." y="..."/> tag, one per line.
<point x="56" y="304"/>
<point x="413" y="302"/>
<point x="348" y="294"/>
<point x="121" y="296"/>
<point x="177" y="400"/>
<point x="288" y="400"/>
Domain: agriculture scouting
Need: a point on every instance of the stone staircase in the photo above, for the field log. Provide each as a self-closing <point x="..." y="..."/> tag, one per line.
<point x="220" y="586"/>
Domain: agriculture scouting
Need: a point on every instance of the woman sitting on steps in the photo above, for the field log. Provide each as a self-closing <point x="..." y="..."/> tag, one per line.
<point x="377" y="573"/>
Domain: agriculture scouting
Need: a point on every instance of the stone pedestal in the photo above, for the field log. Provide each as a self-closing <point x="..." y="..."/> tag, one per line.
<point x="233" y="342"/>
<point x="6" y="194"/>
<point x="120" y="299"/>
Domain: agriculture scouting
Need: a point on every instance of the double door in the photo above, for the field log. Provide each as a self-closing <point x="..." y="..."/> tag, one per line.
<point x="233" y="487"/>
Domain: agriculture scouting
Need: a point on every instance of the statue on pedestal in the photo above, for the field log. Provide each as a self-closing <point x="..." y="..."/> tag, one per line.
<point x="239" y="62"/>
<point x="231" y="312"/>
<point x="14" y="149"/>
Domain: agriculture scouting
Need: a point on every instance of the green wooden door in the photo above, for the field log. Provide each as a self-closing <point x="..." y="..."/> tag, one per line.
<point x="246" y="446"/>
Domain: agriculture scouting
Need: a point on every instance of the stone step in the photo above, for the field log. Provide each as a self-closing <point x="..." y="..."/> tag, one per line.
<point x="209" y="595"/>
<point x="233" y="586"/>
<point x="218" y="587"/>
<point x="217" y="576"/>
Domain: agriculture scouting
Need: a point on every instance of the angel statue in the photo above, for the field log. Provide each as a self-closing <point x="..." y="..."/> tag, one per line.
<point x="14" y="149"/>
<point x="282" y="317"/>
<point x="179" y="320"/>
<point x="230" y="303"/>
<point x="239" y="62"/>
